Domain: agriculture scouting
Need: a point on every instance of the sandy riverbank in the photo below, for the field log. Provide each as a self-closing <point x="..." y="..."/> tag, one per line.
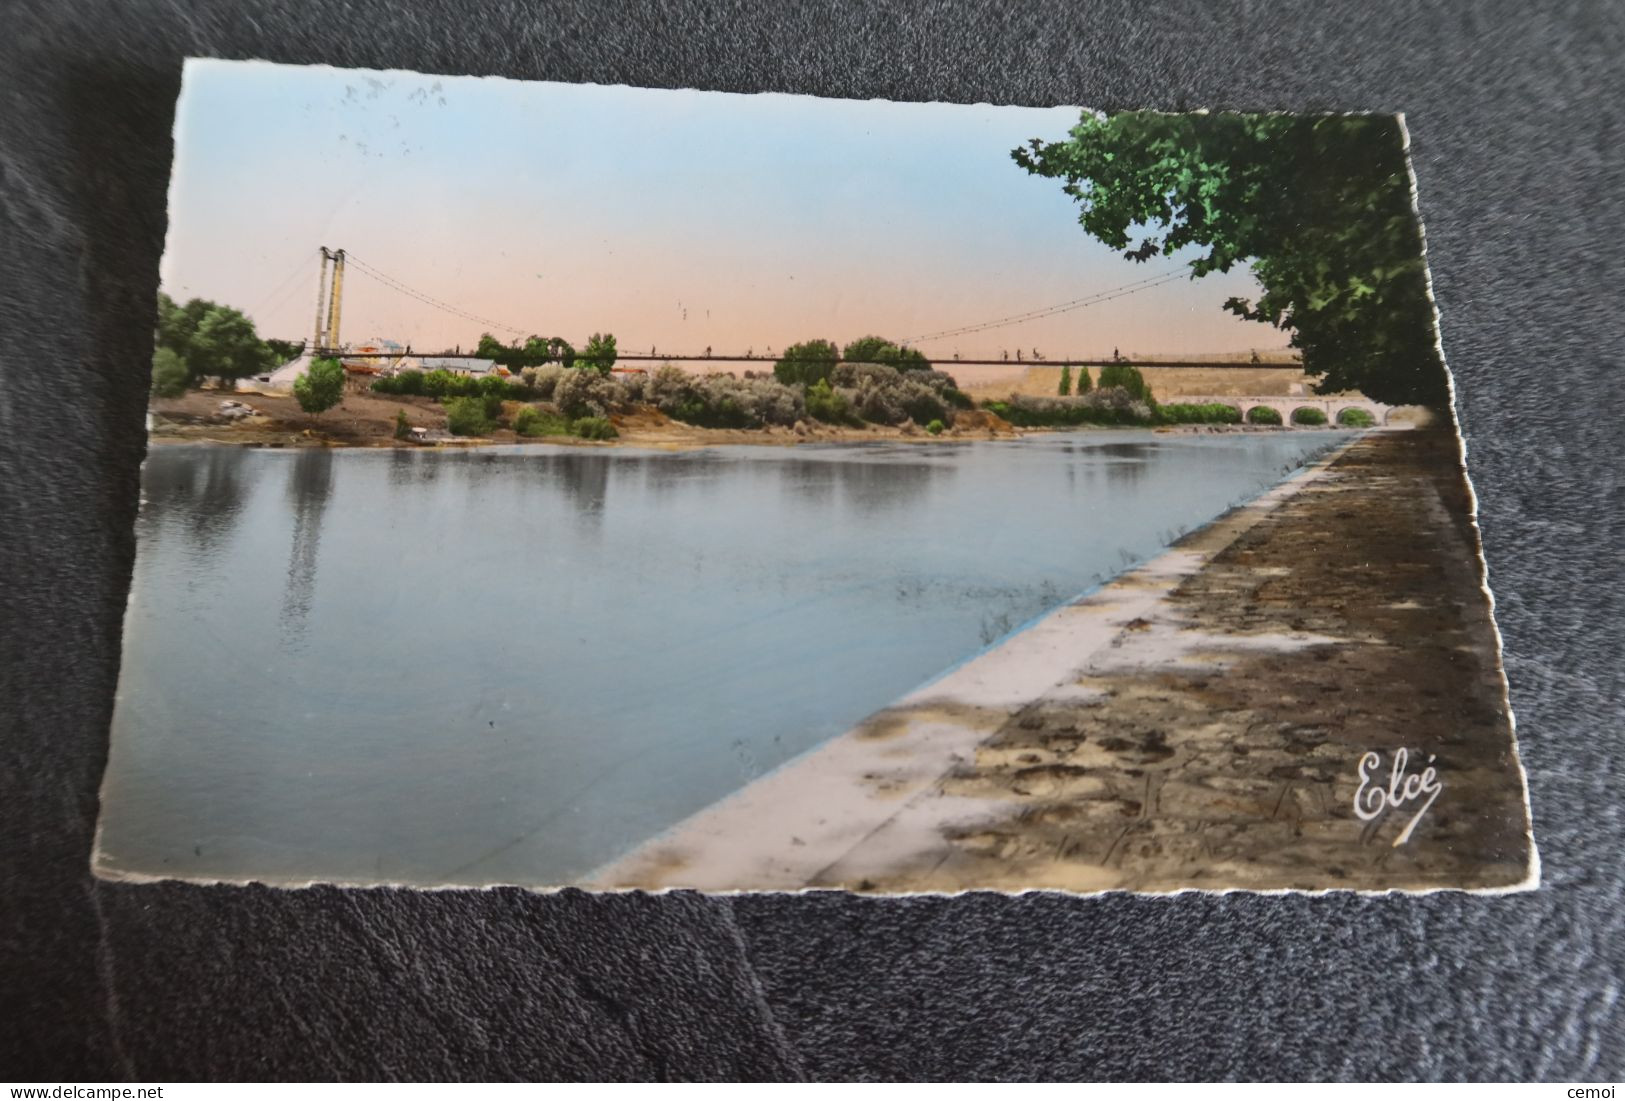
<point x="1196" y="723"/>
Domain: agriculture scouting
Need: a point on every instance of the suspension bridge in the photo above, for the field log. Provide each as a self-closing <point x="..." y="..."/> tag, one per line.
<point x="335" y="263"/>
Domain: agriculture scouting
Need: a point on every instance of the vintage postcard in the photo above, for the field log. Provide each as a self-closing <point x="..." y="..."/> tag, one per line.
<point x="564" y="485"/>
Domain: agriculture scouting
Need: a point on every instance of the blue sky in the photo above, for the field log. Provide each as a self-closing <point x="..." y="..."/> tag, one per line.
<point x="676" y="220"/>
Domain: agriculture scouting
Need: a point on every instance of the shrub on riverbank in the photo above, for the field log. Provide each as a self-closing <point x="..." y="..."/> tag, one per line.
<point x="441" y="384"/>
<point x="321" y="387"/>
<point x="466" y="417"/>
<point x="935" y="428"/>
<point x="1125" y="377"/>
<point x="885" y="395"/>
<point x="1113" y="405"/>
<point x="666" y="388"/>
<point x="829" y="405"/>
<point x="532" y="423"/>
<point x="595" y="428"/>
<point x="1356" y="418"/>
<point x="1212" y="412"/>
<point x="587" y="393"/>
<point x="1263" y="414"/>
<point x="404" y="382"/>
<point x="720" y="401"/>
<point x="729" y="402"/>
<point x="862" y="392"/>
<point x="542" y="380"/>
<point x="1308" y="415"/>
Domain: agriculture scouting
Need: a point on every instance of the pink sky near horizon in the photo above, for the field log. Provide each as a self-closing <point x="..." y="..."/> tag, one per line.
<point x="677" y="220"/>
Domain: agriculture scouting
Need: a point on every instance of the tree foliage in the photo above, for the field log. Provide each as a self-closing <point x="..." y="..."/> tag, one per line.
<point x="211" y="340"/>
<point x="1124" y="377"/>
<point x="1065" y="387"/>
<point x="284" y="350"/>
<point x="321" y="387"/>
<point x="599" y="353"/>
<point x="177" y="324"/>
<point x="1320" y="206"/>
<point x="168" y="373"/>
<point x="534" y="352"/>
<point x="886" y="395"/>
<point x="466" y="417"/>
<point x="1108" y="405"/>
<point x="807" y="363"/>
<point x="512" y="356"/>
<point x="489" y="347"/>
<point x="877" y="349"/>
<point x="832" y="406"/>
<point x="595" y="428"/>
<point x="227" y="347"/>
<point x="1211" y="412"/>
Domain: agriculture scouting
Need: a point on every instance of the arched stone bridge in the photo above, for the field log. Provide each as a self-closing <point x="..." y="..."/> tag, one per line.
<point x="1286" y="406"/>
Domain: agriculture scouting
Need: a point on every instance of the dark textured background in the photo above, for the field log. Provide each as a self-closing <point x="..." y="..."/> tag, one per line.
<point x="1515" y="113"/>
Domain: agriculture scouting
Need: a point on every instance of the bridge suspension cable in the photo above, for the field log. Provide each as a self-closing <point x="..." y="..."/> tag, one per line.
<point x="1054" y="311"/>
<point x="295" y="279"/>
<point x="396" y="285"/>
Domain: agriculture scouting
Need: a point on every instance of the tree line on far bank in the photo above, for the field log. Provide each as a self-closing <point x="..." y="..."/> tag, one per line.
<point x="557" y="400"/>
<point x="537" y="351"/>
<point x="871" y="380"/>
<point x="813" y="361"/>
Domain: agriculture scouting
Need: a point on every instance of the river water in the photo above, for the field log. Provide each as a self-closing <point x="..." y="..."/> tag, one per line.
<point x="512" y="665"/>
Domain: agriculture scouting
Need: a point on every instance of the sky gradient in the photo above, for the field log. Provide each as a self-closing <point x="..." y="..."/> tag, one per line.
<point x="676" y="220"/>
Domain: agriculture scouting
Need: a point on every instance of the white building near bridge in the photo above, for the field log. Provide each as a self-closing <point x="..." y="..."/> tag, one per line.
<point x="457" y="365"/>
<point x="282" y="378"/>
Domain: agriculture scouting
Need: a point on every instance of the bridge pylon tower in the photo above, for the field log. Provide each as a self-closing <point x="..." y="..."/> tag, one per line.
<point x="329" y="301"/>
<point x="318" y="339"/>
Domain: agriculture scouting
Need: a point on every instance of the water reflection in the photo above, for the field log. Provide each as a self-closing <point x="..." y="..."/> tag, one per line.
<point x="585" y="479"/>
<point x="1125" y="463"/>
<point x="480" y="468"/>
<point x="166" y="487"/>
<point x="666" y="472"/>
<point x="204" y="493"/>
<point x="310" y="484"/>
<point x="408" y="467"/>
<point x="811" y="483"/>
<point x="872" y="488"/>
